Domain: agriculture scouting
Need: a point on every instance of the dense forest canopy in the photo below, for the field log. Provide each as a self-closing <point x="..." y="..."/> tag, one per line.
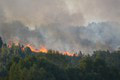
<point x="18" y="64"/>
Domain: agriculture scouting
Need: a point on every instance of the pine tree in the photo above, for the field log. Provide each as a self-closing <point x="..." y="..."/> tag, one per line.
<point x="1" y="42"/>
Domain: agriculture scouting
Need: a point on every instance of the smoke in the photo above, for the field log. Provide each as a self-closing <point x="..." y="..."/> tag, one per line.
<point x="95" y="36"/>
<point x="97" y="10"/>
<point x="40" y="12"/>
<point x="62" y="24"/>
<point x="60" y="12"/>
<point x="16" y="31"/>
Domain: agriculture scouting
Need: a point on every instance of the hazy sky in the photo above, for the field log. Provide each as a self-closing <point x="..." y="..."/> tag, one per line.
<point x="59" y="23"/>
<point x="59" y="12"/>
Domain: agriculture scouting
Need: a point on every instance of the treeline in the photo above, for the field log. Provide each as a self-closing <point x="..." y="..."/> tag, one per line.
<point x="18" y="64"/>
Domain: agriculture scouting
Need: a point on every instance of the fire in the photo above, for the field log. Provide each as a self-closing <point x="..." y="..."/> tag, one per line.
<point x="10" y="43"/>
<point x="69" y="54"/>
<point x="42" y="49"/>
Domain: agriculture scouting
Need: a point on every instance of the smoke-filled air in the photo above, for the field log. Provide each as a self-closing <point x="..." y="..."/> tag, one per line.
<point x="59" y="39"/>
<point x="64" y="25"/>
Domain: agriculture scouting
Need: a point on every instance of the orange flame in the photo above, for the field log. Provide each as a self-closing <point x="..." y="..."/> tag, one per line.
<point x="69" y="54"/>
<point x="42" y="49"/>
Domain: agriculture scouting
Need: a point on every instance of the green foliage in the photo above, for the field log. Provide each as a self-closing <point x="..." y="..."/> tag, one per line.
<point x="1" y="42"/>
<point x="18" y="64"/>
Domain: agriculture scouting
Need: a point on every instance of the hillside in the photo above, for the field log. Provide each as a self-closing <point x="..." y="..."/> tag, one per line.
<point x="19" y="64"/>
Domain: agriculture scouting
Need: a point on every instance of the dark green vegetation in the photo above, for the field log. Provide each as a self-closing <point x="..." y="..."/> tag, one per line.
<point x="16" y="64"/>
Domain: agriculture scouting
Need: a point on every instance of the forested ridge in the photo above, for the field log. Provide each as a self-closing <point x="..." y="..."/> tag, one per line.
<point x="18" y="64"/>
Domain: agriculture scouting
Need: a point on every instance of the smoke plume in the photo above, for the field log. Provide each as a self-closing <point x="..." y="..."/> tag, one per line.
<point x="62" y="24"/>
<point x="95" y="36"/>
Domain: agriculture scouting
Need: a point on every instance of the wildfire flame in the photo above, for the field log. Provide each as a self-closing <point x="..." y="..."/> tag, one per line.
<point x="42" y="49"/>
<point x="69" y="54"/>
<point x="10" y="43"/>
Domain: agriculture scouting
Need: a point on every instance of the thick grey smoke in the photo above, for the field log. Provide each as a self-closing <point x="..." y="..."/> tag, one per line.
<point x="95" y="36"/>
<point x="61" y="23"/>
<point x="40" y="12"/>
<point x="97" y="10"/>
<point x="60" y="12"/>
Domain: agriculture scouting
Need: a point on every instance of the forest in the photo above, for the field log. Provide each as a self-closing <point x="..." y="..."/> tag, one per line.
<point x="19" y="64"/>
